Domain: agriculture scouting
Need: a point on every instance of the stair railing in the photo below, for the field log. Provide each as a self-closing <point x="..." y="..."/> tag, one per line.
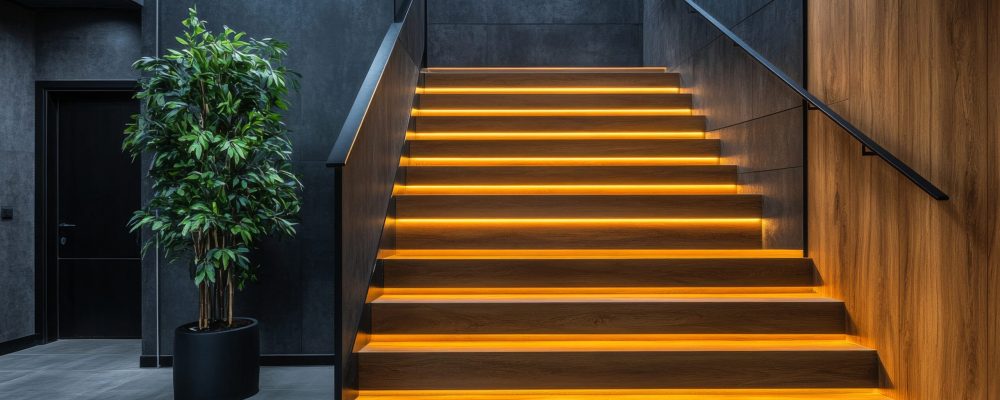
<point x="365" y="158"/>
<point x="869" y="146"/>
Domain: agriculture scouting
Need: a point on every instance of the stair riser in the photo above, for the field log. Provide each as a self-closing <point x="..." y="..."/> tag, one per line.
<point x="553" y="101"/>
<point x="562" y="124"/>
<point x="549" y="206"/>
<point x="565" y="148"/>
<point x="680" y="317"/>
<point x="611" y="370"/>
<point x="596" y="273"/>
<point x="556" y="236"/>
<point x="572" y="175"/>
<point x="551" y="79"/>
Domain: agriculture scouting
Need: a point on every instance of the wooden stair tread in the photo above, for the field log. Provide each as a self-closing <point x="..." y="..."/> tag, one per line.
<point x="550" y="78"/>
<point x="609" y="70"/>
<point x="793" y="297"/>
<point x="570" y="174"/>
<point x="569" y="206"/>
<point x="516" y="346"/>
<point x="626" y="394"/>
<point x="642" y="123"/>
<point x="578" y="148"/>
<point x="416" y="254"/>
<point x="549" y="101"/>
<point x="563" y="189"/>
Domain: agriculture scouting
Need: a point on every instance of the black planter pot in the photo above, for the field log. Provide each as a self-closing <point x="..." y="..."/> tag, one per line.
<point x="217" y="365"/>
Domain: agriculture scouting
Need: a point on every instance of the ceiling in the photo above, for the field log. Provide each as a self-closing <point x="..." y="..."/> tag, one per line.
<point x="128" y="4"/>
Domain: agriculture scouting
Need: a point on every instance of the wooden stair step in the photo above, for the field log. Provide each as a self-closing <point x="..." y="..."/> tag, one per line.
<point x="565" y="148"/>
<point x="571" y="174"/>
<point x="551" y="101"/>
<point x="617" y="364"/>
<point x="415" y="233"/>
<point x="579" y="206"/>
<point x="545" y="69"/>
<point x="656" y="123"/>
<point x="606" y="313"/>
<point x="572" y="273"/>
<point x="563" y="189"/>
<point x="552" y="78"/>
<point x="627" y="394"/>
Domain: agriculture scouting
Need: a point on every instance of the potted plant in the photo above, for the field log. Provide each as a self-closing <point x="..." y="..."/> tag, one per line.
<point x="221" y="180"/>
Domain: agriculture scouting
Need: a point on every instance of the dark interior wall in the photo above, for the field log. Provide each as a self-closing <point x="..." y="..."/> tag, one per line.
<point x="759" y="120"/>
<point x="87" y="44"/>
<point x="17" y="165"/>
<point x="332" y="44"/>
<point x="35" y="45"/>
<point x="470" y="33"/>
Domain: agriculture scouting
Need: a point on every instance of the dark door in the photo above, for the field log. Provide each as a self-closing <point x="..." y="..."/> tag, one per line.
<point x="97" y="187"/>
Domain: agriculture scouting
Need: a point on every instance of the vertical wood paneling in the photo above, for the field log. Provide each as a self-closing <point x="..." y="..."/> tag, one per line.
<point x="993" y="291"/>
<point x="913" y="271"/>
<point x="944" y="298"/>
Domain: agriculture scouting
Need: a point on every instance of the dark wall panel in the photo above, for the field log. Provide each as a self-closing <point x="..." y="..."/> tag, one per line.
<point x="17" y="166"/>
<point x="87" y="44"/>
<point x="757" y="118"/>
<point x="534" y="33"/>
<point x="332" y="44"/>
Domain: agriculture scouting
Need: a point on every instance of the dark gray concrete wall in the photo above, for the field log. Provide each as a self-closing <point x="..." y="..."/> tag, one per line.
<point x="332" y="44"/>
<point x="86" y="44"/>
<point x="35" y="45"/>
<point x="757" y="118"/>
<point x="17" y="166"/>
<point x="472" y="33"/>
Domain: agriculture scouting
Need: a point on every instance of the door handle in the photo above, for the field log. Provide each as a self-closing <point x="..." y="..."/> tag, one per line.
<point x="65" y="225"/>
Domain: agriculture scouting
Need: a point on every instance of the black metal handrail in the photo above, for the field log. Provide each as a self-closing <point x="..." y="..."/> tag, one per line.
<point x="866" y="141"/>
<point x="356" y="116"/>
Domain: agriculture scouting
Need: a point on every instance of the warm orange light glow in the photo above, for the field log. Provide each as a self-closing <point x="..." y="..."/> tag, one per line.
<point x="586" y="254"/>
<point x="613" y="345"/>
<point x="548" y="90"/>
<point x="564" y="189"/>
<point x="552" y="135"/>
<point x="600" y="297"/>
<point x="701" y="291"/>
<point x="530" y="222"/>
<point x="626" y="394"/>
<point x="554" y="161"/>
<point x="550" y="69"/>
<point x="607" y="112"/>
<point x="508" y="337"/>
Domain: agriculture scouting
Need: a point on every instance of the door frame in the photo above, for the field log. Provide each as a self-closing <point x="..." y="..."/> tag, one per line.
<point x="46" y="285"/>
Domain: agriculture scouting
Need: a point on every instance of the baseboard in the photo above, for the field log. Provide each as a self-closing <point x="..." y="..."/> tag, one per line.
<point x="22" y="343"/>
<point x="266" y="360"/>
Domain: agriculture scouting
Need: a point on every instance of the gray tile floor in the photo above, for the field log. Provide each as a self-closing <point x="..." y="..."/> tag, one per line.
<point x="109" y="370"/>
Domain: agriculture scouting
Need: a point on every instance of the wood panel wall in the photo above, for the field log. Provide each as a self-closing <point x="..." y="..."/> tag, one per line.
<point x="918" y="276"/>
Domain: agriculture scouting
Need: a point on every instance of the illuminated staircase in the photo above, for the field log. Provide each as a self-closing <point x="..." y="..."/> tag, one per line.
<point x="570" y="234"/>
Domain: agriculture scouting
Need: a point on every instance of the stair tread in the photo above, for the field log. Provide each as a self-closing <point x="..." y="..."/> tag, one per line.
<point x="626" y="394"/>
<point x="535" y="70"/>
<point x="561" y="189"/>
<point x="792" y="297"/>
<point x="588" y="254"/>
<point x="693" y="345"/>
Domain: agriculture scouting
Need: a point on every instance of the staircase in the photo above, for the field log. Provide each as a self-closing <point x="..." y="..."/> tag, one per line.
<point x="571" y="234"/>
